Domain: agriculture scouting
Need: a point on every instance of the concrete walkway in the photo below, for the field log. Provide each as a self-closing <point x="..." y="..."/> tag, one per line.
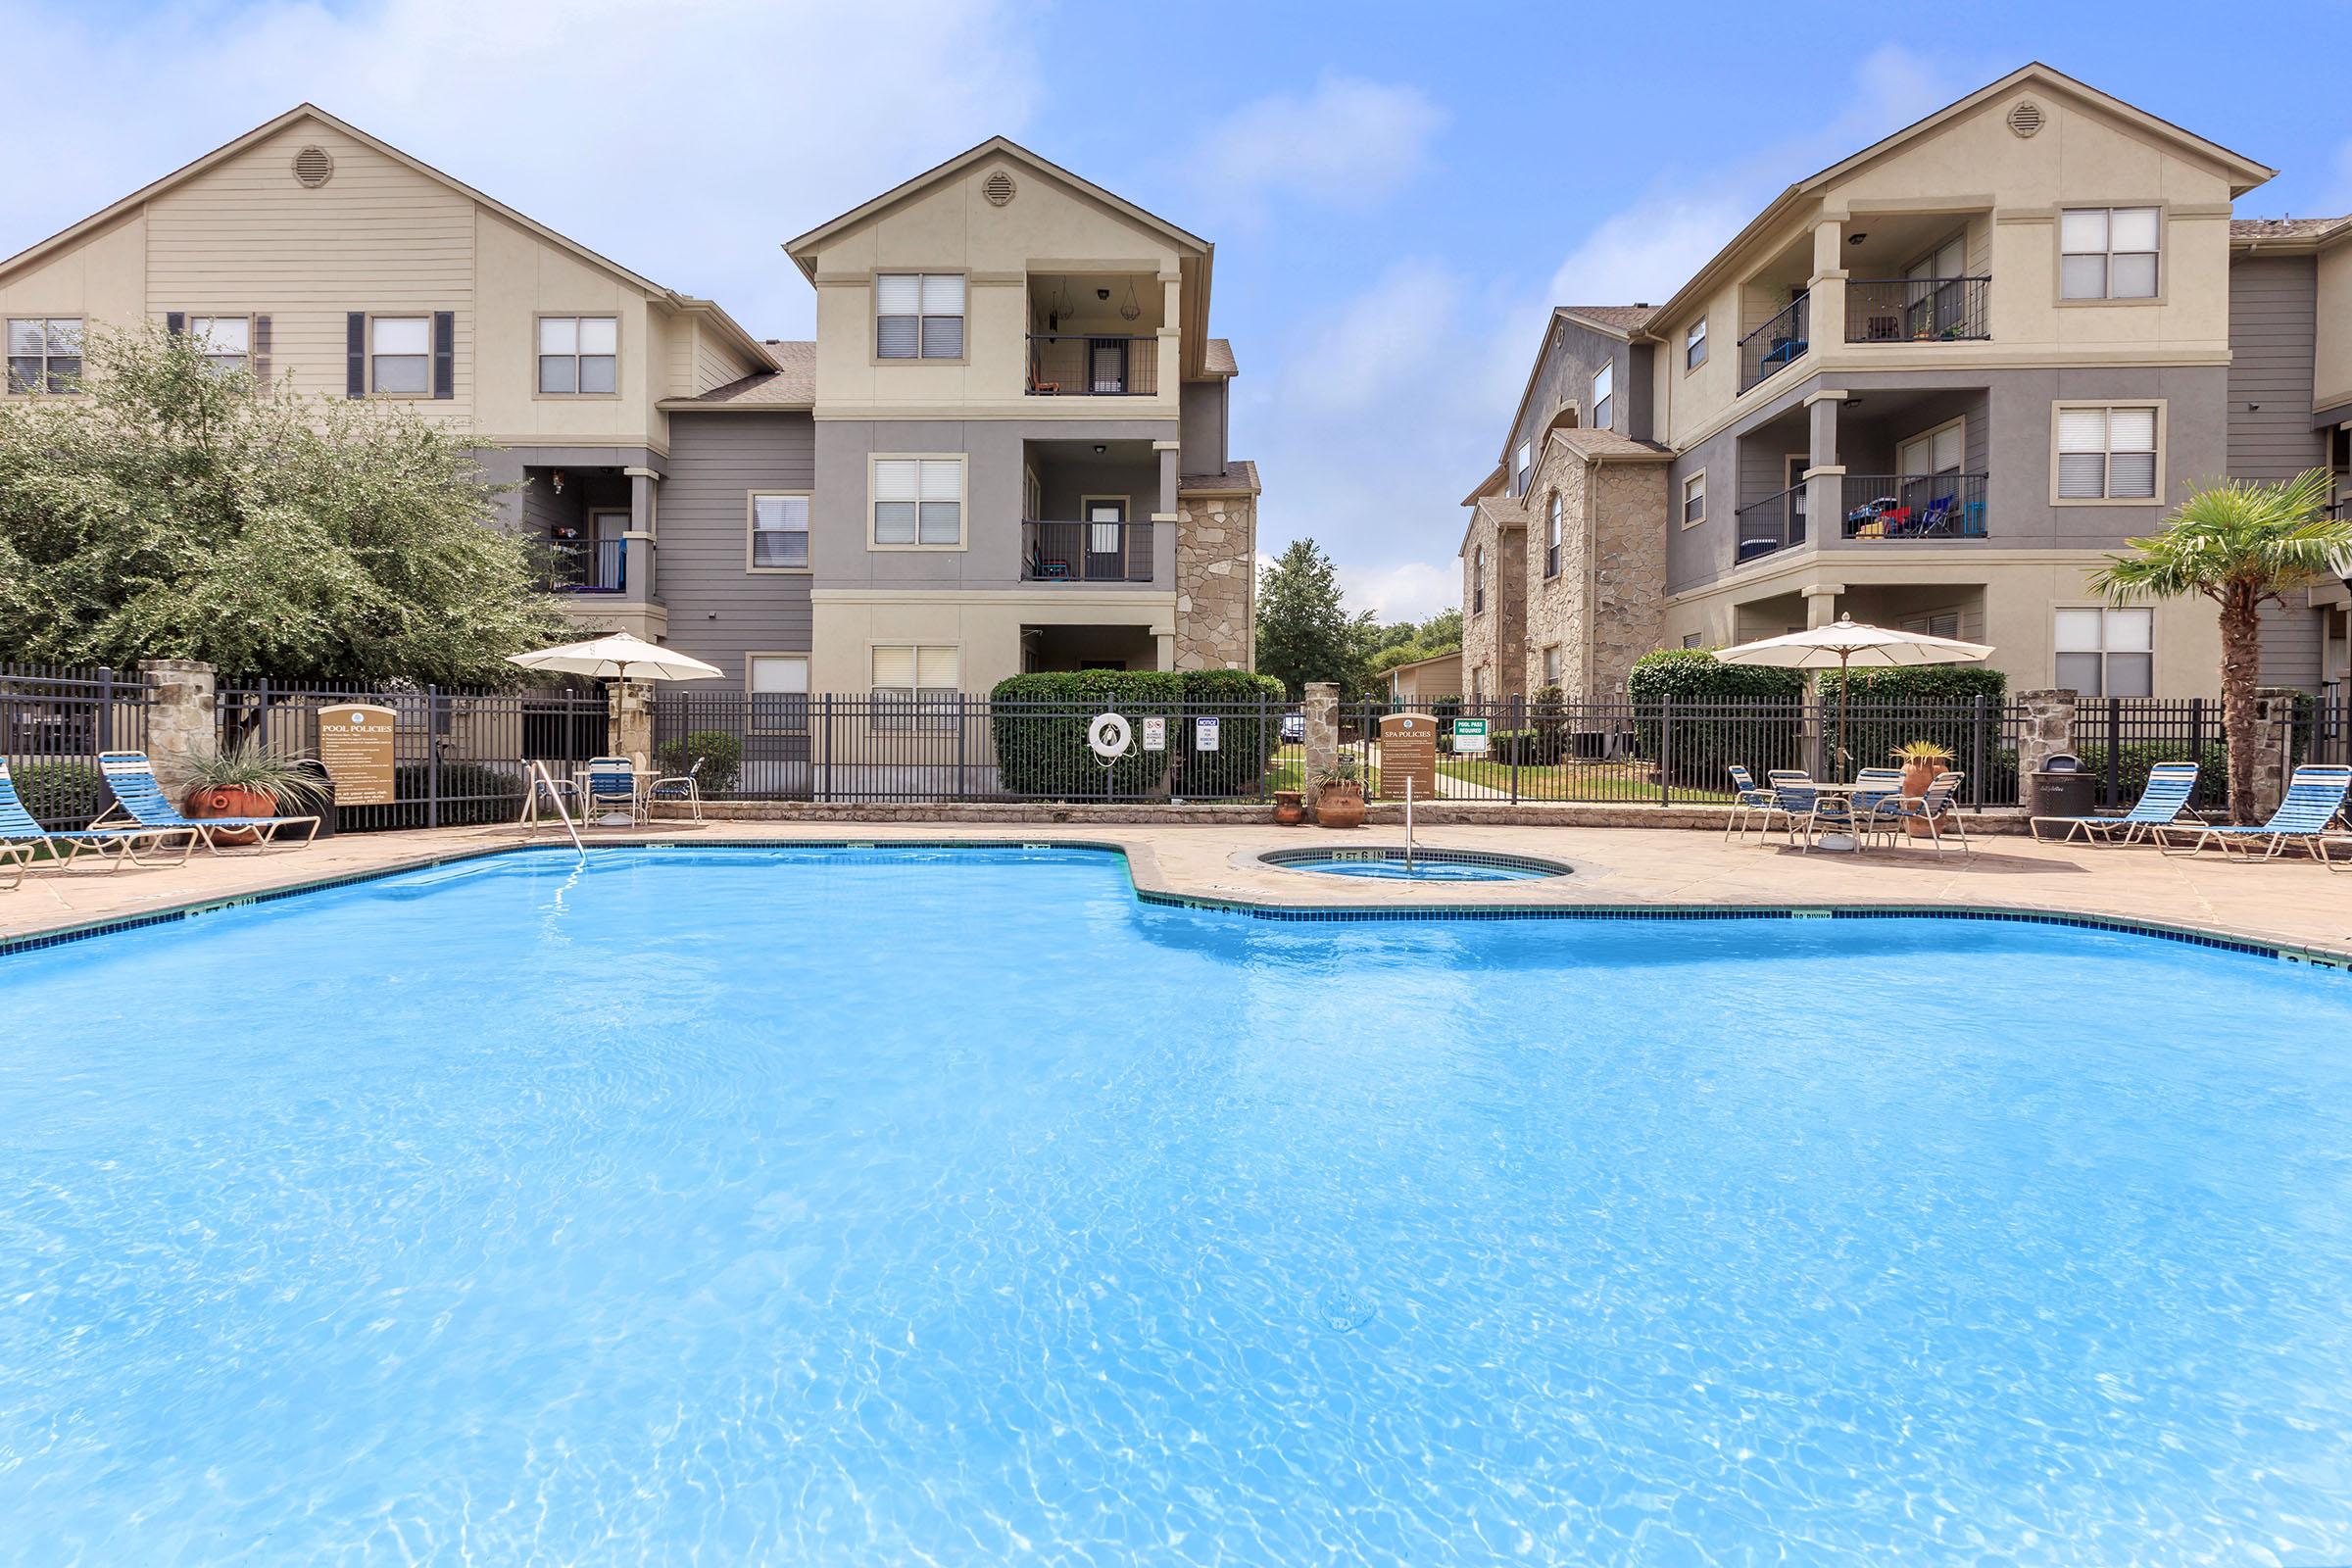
<point x="2290" y="902"/>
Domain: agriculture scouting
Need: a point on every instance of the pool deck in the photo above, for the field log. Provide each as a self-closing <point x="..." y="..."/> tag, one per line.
<point x="2291" y="904"/>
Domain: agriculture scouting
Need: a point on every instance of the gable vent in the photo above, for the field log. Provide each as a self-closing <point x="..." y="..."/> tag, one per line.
<point x="998" y="188"/>
<point x="2026" y="119"/>
<point x="312" y="168"/>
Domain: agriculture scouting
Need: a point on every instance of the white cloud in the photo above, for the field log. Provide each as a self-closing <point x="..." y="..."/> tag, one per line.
<point x="684" y="141"/>
<point x="1412" y="591"/>
<point x="1348" y="142"/>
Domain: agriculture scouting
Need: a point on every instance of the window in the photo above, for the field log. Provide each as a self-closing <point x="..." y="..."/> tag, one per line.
<point x="914" y="688"/>
<point x="2107" y="454"/>
<point x="1522" y="463"/>
<point x="1692" y="639"/>
<point x="227" y="340"/>
<point x="2107" y="653"/>
<point x="1694" y="345"/>
<point x="918" y="501"/>
<point x="1934" y="624"/>
<point x="1551" y="666"/>
<point x="1937" y="452"/>
<point x="1552" y="536"/>
<point x="1478" y="579"/>
<point x="918" y="316"/>
<point x="1604" y="384"/>
<point x="400" y="356"/>
<point x="580" y="354"/>
<point x="776" y="687"/>
<point x="2108" y="253"/>
<point x="44" y="353"/>
<point x="779" y="533"/>
<point x="1694" y="498"/>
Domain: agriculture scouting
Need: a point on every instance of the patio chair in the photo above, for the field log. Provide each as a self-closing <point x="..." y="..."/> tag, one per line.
<point x="612" y="786"/>
<point x="1748" y="800"/>
<point x="2162" y="799"/>
<point x="22" y="835"/>
<point x="139" y="796"/>
<point x="2314" y="794"/>
<point x="1868" y="807"/>
<point x="1937" y="518"/>
<point x="1933" y="808"/>
<point x="1793" y="798"/>
<point x="677" y="789"/>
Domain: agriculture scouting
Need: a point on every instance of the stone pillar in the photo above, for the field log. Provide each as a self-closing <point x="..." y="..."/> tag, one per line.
<point x="629" y="727"/>
<point x="1322" y="733"/>
<point x="181" y="725"/>
<point x="2048" y="727"/>
<point x="2273" y="729"/>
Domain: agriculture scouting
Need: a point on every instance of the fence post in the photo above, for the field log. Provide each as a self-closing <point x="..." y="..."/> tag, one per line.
<point x="2115" y="752"/>
<point x="825" y="750"/>
<point x="182" y="716"/>
<point x="1665" y="751"/>
<point x="1975" y="754"/>
<point x="1322" y="743"/>
<point x="433" y="754"/>
<point x="1518" y="725"/>
<point x="963" y="782"/>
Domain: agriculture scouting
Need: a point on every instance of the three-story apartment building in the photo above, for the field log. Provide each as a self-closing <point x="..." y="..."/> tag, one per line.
<point x="1004" y="450"/>
<point x="1934" y="386"/>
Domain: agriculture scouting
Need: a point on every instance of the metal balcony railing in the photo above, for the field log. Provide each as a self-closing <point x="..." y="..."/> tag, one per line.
<point x="1919" y="309"/>
<point x="1086" y="552"/>
<point x="1914" y="505"/>
<point x="1775" y="523"/>
<point x="1778" y="342"/>
<point x="591" y="567"/>
<point x="1067" y="365"/>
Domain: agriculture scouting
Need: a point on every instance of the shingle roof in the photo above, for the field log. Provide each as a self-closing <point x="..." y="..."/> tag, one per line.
<point x="2281" y="228"/>
<point x="1605" y="444"/>
<point x="1216" y="357"/>
<point x="1627" y="318"/>
<point x="1238" y="474"/>
<point x="791" y="387"/>
<point x="1504" y="511"/>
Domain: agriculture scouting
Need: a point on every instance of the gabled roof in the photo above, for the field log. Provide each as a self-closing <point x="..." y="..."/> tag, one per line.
<point x="1486" y="486"/>
<point x="307" y="111"/>
<point x="1607" y="446"/>
<point x="1619" y="322"/>
<point x="791" y="387"/>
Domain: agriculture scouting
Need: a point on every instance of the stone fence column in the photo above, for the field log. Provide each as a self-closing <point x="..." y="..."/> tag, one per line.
<point x="2048" y="727"/>
<point x="181" y="726"/>
<point x="2273" y="732"/>
<point x="629" y="727"/>
<point x="1322" y="733"/>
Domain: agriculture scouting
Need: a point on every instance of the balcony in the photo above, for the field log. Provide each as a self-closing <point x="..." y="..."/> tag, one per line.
<point x="1919" y="309"/>
<point x="1086" y="552"/>
<point x="1887" y="507"/>
<point x="1092" y="365"/>
<point x="1779" y="343"/>
<point x="590" y="567"/>
<point x="1768" y="527"/>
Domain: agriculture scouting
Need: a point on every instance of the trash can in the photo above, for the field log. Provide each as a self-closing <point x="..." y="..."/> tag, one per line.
<point x="317" y="774"/>
<point x="2063" y="788"/>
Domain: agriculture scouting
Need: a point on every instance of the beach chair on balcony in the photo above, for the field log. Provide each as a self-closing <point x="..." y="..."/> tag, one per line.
<point x="2161" y="802"/>
<point x="141" y="799"/>
<point x="2314" y="796"/>
<point x="23" y="837"/>
<point x="1936" y="518"/>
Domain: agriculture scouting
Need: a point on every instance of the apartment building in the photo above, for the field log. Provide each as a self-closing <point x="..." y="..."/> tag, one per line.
<point x="1934" y="386"/>
<point x="1004" y="451"/>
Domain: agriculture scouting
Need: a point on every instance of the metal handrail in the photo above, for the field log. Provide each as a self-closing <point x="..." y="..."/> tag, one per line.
<point x="540" y="777"/>
<point x="1777" y="344"/>
<point x="1918" y="309"/>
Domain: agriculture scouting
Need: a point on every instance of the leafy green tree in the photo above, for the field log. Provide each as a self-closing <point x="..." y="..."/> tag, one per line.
<point x="183" y="512"/>
<point x="2241" y="543"/>
<point x="1303" y="629"/>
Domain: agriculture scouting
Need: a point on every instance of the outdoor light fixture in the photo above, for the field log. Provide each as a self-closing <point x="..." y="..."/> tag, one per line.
<point x="1100" y="449"/>
<point x="1856" y="239"/>
<point x="1103" y="295"/>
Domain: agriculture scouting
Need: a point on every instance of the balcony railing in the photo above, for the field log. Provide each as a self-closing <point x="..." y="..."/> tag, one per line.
<point x="1778" y="342"/>
<point x="1775" y="523"/>
<point x="1914" y="505"/>
<point x="591" y="567"/>
<point x="1086" y="552"/>
<point x="1067" y="364"/>
<point x="1919" y="309"/>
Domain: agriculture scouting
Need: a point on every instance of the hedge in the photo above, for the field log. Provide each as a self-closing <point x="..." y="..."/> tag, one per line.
<point x="496" y="797"/>
<point x="1918" y="684"/>
<point x="719" y="750"/>
<point x="1693" y="677"/>
<point x="62" y="794"/>
<point x="1044" y="753"/>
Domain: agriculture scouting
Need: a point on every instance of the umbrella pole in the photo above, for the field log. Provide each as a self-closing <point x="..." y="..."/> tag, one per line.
<point x="1843" y="664"/>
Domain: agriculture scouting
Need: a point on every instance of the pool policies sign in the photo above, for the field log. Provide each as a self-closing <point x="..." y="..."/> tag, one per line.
<point x="355" y="746"/>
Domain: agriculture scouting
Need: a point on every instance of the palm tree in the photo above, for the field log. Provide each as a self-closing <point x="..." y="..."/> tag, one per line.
<point x="2239" y="544"/>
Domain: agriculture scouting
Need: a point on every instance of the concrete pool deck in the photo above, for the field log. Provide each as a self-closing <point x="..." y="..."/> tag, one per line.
<point x="2289" y="903"/>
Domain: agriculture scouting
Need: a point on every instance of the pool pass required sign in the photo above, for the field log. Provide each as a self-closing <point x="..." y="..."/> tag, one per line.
<point x="355" y="744"/>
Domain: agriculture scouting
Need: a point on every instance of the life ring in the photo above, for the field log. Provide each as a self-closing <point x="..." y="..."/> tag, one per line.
<point x="1109" y="736"/>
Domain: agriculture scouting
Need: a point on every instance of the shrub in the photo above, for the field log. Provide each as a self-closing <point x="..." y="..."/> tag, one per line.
<point x="1695" y="675"/>
<point x="1935" y="702"/>
<point x="720" y="751"/>
<point x="489" y="795"/>
<point x="1770" y="725"/>
<point x="2135" y="760"/>
<point x="1042" y="749"/>
<point x="61" y="794"/>
<point x="1919" y="684"/>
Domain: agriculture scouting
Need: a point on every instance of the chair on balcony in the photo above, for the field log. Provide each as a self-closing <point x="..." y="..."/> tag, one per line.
<point x="1936" y="519"/>
<point x="1042" y="571"/>
<point x="1785" y="351"/>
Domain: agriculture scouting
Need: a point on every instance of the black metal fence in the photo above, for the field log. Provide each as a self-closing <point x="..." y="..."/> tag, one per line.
<point x="54" y="722"/>
<point x="1918" y="309"/>
<point x="1914" y="505"/>
<point x="1779" y="342"/>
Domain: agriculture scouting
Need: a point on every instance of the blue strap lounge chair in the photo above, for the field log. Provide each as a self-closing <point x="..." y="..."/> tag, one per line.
<point x="2161" y="802"/>
<point x="2314" y="796"/>
<point x="140" y="798"/>
<point x="22" y="833"/>
<point x="1934" y="809"/>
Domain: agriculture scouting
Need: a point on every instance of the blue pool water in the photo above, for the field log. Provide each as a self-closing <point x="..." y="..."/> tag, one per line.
<point x="800" y="1207"/>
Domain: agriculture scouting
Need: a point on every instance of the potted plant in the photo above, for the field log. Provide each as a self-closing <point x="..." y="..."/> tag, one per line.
<point x="1290" y="808"/>
<point x="1922" y="760"/>
<point x="1340" y="795"/>
<point x="248" y="777"/>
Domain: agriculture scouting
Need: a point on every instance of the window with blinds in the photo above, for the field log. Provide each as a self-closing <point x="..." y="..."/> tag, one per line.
<point x="2108" y="253"/>
<point x="1694" y="498"/>
<point x="1694" y="345"/>
<point x="779" y="533"/>
<point x="918" y="316"/>
<point x="227" y="340"/>
<point x="778" y="693"/>
<point x="2106" y="653"/>
<point x="914" y="687"/>
<point x="1605" y="399"/>
<point x="1522" y="463"/>
<point x="1551" y="537"/>
<point x="2107" y="454"/>
<point x="917" y="501"/>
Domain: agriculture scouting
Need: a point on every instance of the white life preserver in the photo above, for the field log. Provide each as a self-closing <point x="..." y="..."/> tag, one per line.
<point x="1109" y="736"/>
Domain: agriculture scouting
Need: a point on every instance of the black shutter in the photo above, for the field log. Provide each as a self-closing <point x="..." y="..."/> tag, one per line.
<point x="355" y="354"/>
<point x="261" y="349"/>
<point x="176" y="321"/>
<point x="445" y="354"/>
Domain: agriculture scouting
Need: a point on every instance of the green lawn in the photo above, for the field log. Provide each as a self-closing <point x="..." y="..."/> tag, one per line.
<point x="1573" y="781"/>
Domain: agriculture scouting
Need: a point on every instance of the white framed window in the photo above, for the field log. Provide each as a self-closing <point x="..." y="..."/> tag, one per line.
<point x="1522" y="463"/>
<point x="1604" y="399"/>
<point x="1694" y="498"/>
<point x="918" y="316"/>
<point x="400" y="356"/>
<point x="2107" y="452"/>
<point x="1551" y="535"/>
<point x="1694" y="345"/>
<point x="2109" y="253"/>
<point x="2106" y="652"/>
<point x="1931" y="453"/>
<point x="227" y="340"/>
<point x="1551" y="666"/>
<point x="779" y="531"/>
<point x="579" y="356"/>
<point x="915" y="686"/>
<point x="918" y="503"/>
<point x="44" y="353"/>
<point x="1478" y="579"/>
<point x="777" y="691"/>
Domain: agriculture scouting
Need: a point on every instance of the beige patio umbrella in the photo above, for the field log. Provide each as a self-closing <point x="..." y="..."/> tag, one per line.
<point x="619" y="657"/>
<point x="1845" y="646"/>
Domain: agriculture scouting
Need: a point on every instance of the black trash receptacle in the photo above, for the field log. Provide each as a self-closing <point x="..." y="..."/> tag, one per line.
<point x="325" y="783"/>
<point x="2062" y="787"/>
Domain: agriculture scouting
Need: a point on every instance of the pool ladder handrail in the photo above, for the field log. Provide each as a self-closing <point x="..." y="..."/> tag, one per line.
<point x="541" y="778"/>
<point x="1408" y="825"/>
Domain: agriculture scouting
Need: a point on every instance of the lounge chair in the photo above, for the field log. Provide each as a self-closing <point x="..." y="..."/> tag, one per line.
<point x="139" y="796"/>
<point x="612" y="786"/>
<point x="2314" y="794"/>
<point x="22" y="834"/>
<point x="2162" y="799"/>
<point x="1933" y="808"/>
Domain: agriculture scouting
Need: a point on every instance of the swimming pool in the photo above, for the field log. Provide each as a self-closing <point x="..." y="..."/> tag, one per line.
<point x="772" y="1206"/>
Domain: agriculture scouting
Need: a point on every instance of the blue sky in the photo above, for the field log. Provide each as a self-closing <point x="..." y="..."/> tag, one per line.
<point x="1397" y="191"/>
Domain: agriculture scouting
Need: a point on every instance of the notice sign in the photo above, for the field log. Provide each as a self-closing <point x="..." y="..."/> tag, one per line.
<point x="1205" y="734"/>
<point x="1155" y="734"/>
<point x="355" y="744"/>
<point x="1469" y="736"/>
<point x="1408" y="751"/>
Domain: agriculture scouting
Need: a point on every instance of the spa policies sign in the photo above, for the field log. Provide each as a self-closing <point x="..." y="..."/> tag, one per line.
<point x="355" y="744"/>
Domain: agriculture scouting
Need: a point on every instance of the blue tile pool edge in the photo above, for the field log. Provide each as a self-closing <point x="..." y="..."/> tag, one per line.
<point x="1352" y="914"/>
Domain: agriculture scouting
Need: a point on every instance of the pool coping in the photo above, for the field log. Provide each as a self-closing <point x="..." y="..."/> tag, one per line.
<point x="1150" y="887"/>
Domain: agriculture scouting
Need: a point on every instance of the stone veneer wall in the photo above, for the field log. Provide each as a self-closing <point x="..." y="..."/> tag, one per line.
<point x="1478" y="630"/>
<point x="1495" y="639"/>
<point x="1216" y="582"/>
<point x="1605" y="608"/>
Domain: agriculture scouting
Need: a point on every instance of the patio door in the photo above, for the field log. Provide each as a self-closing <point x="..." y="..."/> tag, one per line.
<point x="1798" y="463"/>
<point x="1106" y="539"/>
<point x="607" y="565"/>
<point x="1935" y="301"/>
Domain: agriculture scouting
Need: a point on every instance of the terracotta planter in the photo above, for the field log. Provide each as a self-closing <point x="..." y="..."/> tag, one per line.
<point x="1339" y="806"/>
<point x="1290" y="808"/>
<point x="205" y="803"/>
<point x="1917" y="776"/>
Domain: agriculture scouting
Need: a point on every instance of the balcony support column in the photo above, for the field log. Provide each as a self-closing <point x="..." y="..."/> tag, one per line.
<point x="1827" y="287"/>
<point x="1824" y="498"/>
<point x="639" y="587"/>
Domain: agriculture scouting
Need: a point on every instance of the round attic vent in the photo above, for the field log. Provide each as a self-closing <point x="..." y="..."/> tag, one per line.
<point x="2026" y="119"/>
<point x="312" y="168"/>
<point x="998" y="188"/>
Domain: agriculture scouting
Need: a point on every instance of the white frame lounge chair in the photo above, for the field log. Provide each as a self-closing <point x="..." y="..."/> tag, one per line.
<point x="2314" y="796"/>
<point x="2162" y="798"/>
<point x="141" y="797"/>
<point x="22" y="834"/>
<point x="598" y="797"/>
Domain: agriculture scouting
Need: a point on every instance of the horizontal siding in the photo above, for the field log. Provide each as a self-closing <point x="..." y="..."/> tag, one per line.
<point x="2291" y="644"/>
<point x="715" y="461"/>
<point x="2273" y="321"/>
<point x="713" y="364"/>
